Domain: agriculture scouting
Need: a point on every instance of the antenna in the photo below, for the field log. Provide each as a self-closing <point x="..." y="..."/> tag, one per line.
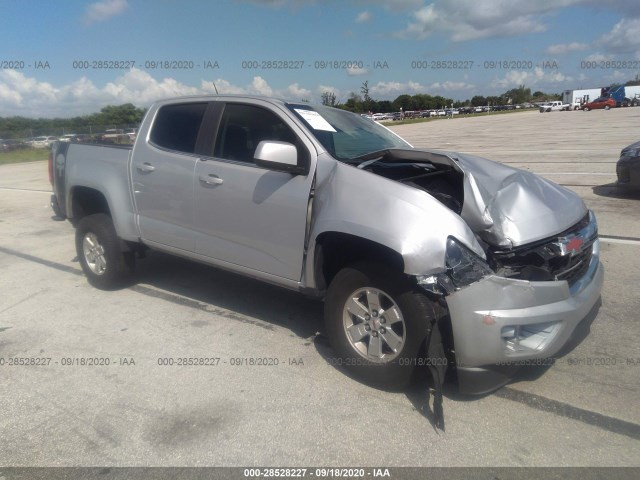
<point x="214" y="86"/>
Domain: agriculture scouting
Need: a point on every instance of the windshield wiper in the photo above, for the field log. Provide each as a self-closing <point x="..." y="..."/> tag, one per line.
<point x="366" y="163"/>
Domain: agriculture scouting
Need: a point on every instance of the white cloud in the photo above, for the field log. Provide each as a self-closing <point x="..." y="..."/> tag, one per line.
<point x="259" y="86"/>
<point x="295" y="92"/>
<point x="597" y="57"/>
<point x="220" y="86"/>
<point x="624" y="37"/>
<point x="326" y="88"/>
<point x="451" y="86"/>
<point x="364" y="17"/>
<point x="466" y="20"/>
<point x="537" y="76"/>
<point x="104" y="10"/>
<point x="26" y="96"/>
<point x="355" y="71"/>
<point x="385" y="89"/>
<point x="393" y="89"/>
<point x="139" y="87"/>
<point x="22" y="95"/>
<point x="562" y="48"/>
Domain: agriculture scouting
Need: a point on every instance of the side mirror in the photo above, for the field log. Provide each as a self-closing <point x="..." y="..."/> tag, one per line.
<point x="279" y="156"/>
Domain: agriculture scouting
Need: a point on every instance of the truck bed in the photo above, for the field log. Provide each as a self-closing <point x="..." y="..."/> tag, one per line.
<point x="104" y="168"/>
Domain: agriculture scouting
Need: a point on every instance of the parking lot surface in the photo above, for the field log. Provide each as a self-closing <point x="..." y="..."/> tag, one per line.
<point x="108" y="394"/>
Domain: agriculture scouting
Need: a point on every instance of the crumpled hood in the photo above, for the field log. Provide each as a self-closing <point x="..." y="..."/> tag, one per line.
<point x="508" y="207"/>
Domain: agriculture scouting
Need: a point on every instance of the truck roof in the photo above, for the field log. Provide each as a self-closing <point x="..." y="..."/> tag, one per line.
<point x="208" y="98"/>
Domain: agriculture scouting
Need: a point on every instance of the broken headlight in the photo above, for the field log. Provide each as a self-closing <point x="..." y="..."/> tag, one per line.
<point x="463" y="266"/>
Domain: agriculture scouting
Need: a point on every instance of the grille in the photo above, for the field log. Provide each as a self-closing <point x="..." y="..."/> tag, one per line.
<point x="576" y="267"/>
<point x="563" y="257"/>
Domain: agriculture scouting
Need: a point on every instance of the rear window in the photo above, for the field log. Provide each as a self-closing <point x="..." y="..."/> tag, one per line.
<point x="176" y="127"/>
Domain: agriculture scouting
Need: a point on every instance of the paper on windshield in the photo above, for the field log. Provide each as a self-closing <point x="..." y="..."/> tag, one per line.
<point x="316" y="120"/>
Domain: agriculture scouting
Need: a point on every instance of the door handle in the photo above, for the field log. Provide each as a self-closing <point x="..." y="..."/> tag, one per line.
<point x="211" y="179"/>
<point x="145" y="168"/>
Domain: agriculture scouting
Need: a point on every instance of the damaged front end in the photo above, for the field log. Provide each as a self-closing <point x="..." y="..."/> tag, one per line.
<point x="541" y="273"/>
<point x="514" y="257"/>
<point x="521" y="306"/>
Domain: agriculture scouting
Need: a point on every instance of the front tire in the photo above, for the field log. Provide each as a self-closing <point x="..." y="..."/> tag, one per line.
<point x="100" y="253"/>
<point x="376" y="322"/>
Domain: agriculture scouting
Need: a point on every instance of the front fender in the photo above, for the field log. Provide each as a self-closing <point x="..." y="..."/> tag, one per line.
<point x="407" y="220"/>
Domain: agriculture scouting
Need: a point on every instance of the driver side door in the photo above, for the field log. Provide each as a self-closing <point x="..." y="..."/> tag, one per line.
<point x="249" y="217"/>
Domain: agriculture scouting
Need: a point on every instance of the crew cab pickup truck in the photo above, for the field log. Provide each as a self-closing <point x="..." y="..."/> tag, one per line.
<point x="555" y="106"/>
<point x="397" y="241"/>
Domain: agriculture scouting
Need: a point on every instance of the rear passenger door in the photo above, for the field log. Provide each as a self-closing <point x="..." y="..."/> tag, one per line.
<point x="162" y="175"/>
<point x="248" y="217"/>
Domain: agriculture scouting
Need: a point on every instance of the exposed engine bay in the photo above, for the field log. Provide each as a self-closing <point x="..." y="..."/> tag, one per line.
<point x="563" y="255"/>
<point x="435" y="176"/>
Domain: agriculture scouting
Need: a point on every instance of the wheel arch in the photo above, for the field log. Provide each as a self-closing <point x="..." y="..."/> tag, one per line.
<point x="87" y="201"/>
<point x="336" y="250"/>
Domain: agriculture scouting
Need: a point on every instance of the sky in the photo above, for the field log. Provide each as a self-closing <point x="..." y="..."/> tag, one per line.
<point x="73" y="57"/>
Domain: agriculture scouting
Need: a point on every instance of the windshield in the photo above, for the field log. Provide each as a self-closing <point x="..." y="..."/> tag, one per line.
<point x="344" y="134"/>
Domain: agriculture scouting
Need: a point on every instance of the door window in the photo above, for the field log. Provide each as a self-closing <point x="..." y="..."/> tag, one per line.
<point x="176" y="127"/>
<point x="243" y="127"/>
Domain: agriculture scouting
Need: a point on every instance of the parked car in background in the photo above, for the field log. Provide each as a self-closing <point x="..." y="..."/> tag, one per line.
<point x="69" y="137"/>
<point x="555" y="106"/>
<point x="43" y="141"/>
<point x="115" y="135"/>
<point x="13" y="145"/>
<point x="628" y="167"/>
<point x="131" y="133"/>
<point x="599" y="103"/>
<point x="380" y="116"/>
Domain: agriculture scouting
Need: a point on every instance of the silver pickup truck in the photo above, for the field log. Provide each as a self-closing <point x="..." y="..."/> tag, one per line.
<point x="399" y="242"/>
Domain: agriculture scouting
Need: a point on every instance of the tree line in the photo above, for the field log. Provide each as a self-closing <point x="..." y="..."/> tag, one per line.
<point x="111" y="116"/>
<point x="363" y="103"/>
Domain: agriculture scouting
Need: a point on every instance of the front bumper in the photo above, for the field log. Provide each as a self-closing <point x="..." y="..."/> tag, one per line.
<point x="499" y="323"/>
<point x="628" y="172"/>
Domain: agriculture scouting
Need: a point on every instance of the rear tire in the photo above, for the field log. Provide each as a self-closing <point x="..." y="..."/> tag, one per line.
<point x="100" y="253"/>
<point x="376" y="322"/>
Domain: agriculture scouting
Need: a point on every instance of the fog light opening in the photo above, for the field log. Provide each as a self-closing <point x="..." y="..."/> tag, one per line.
<point x="528" y="338"/>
